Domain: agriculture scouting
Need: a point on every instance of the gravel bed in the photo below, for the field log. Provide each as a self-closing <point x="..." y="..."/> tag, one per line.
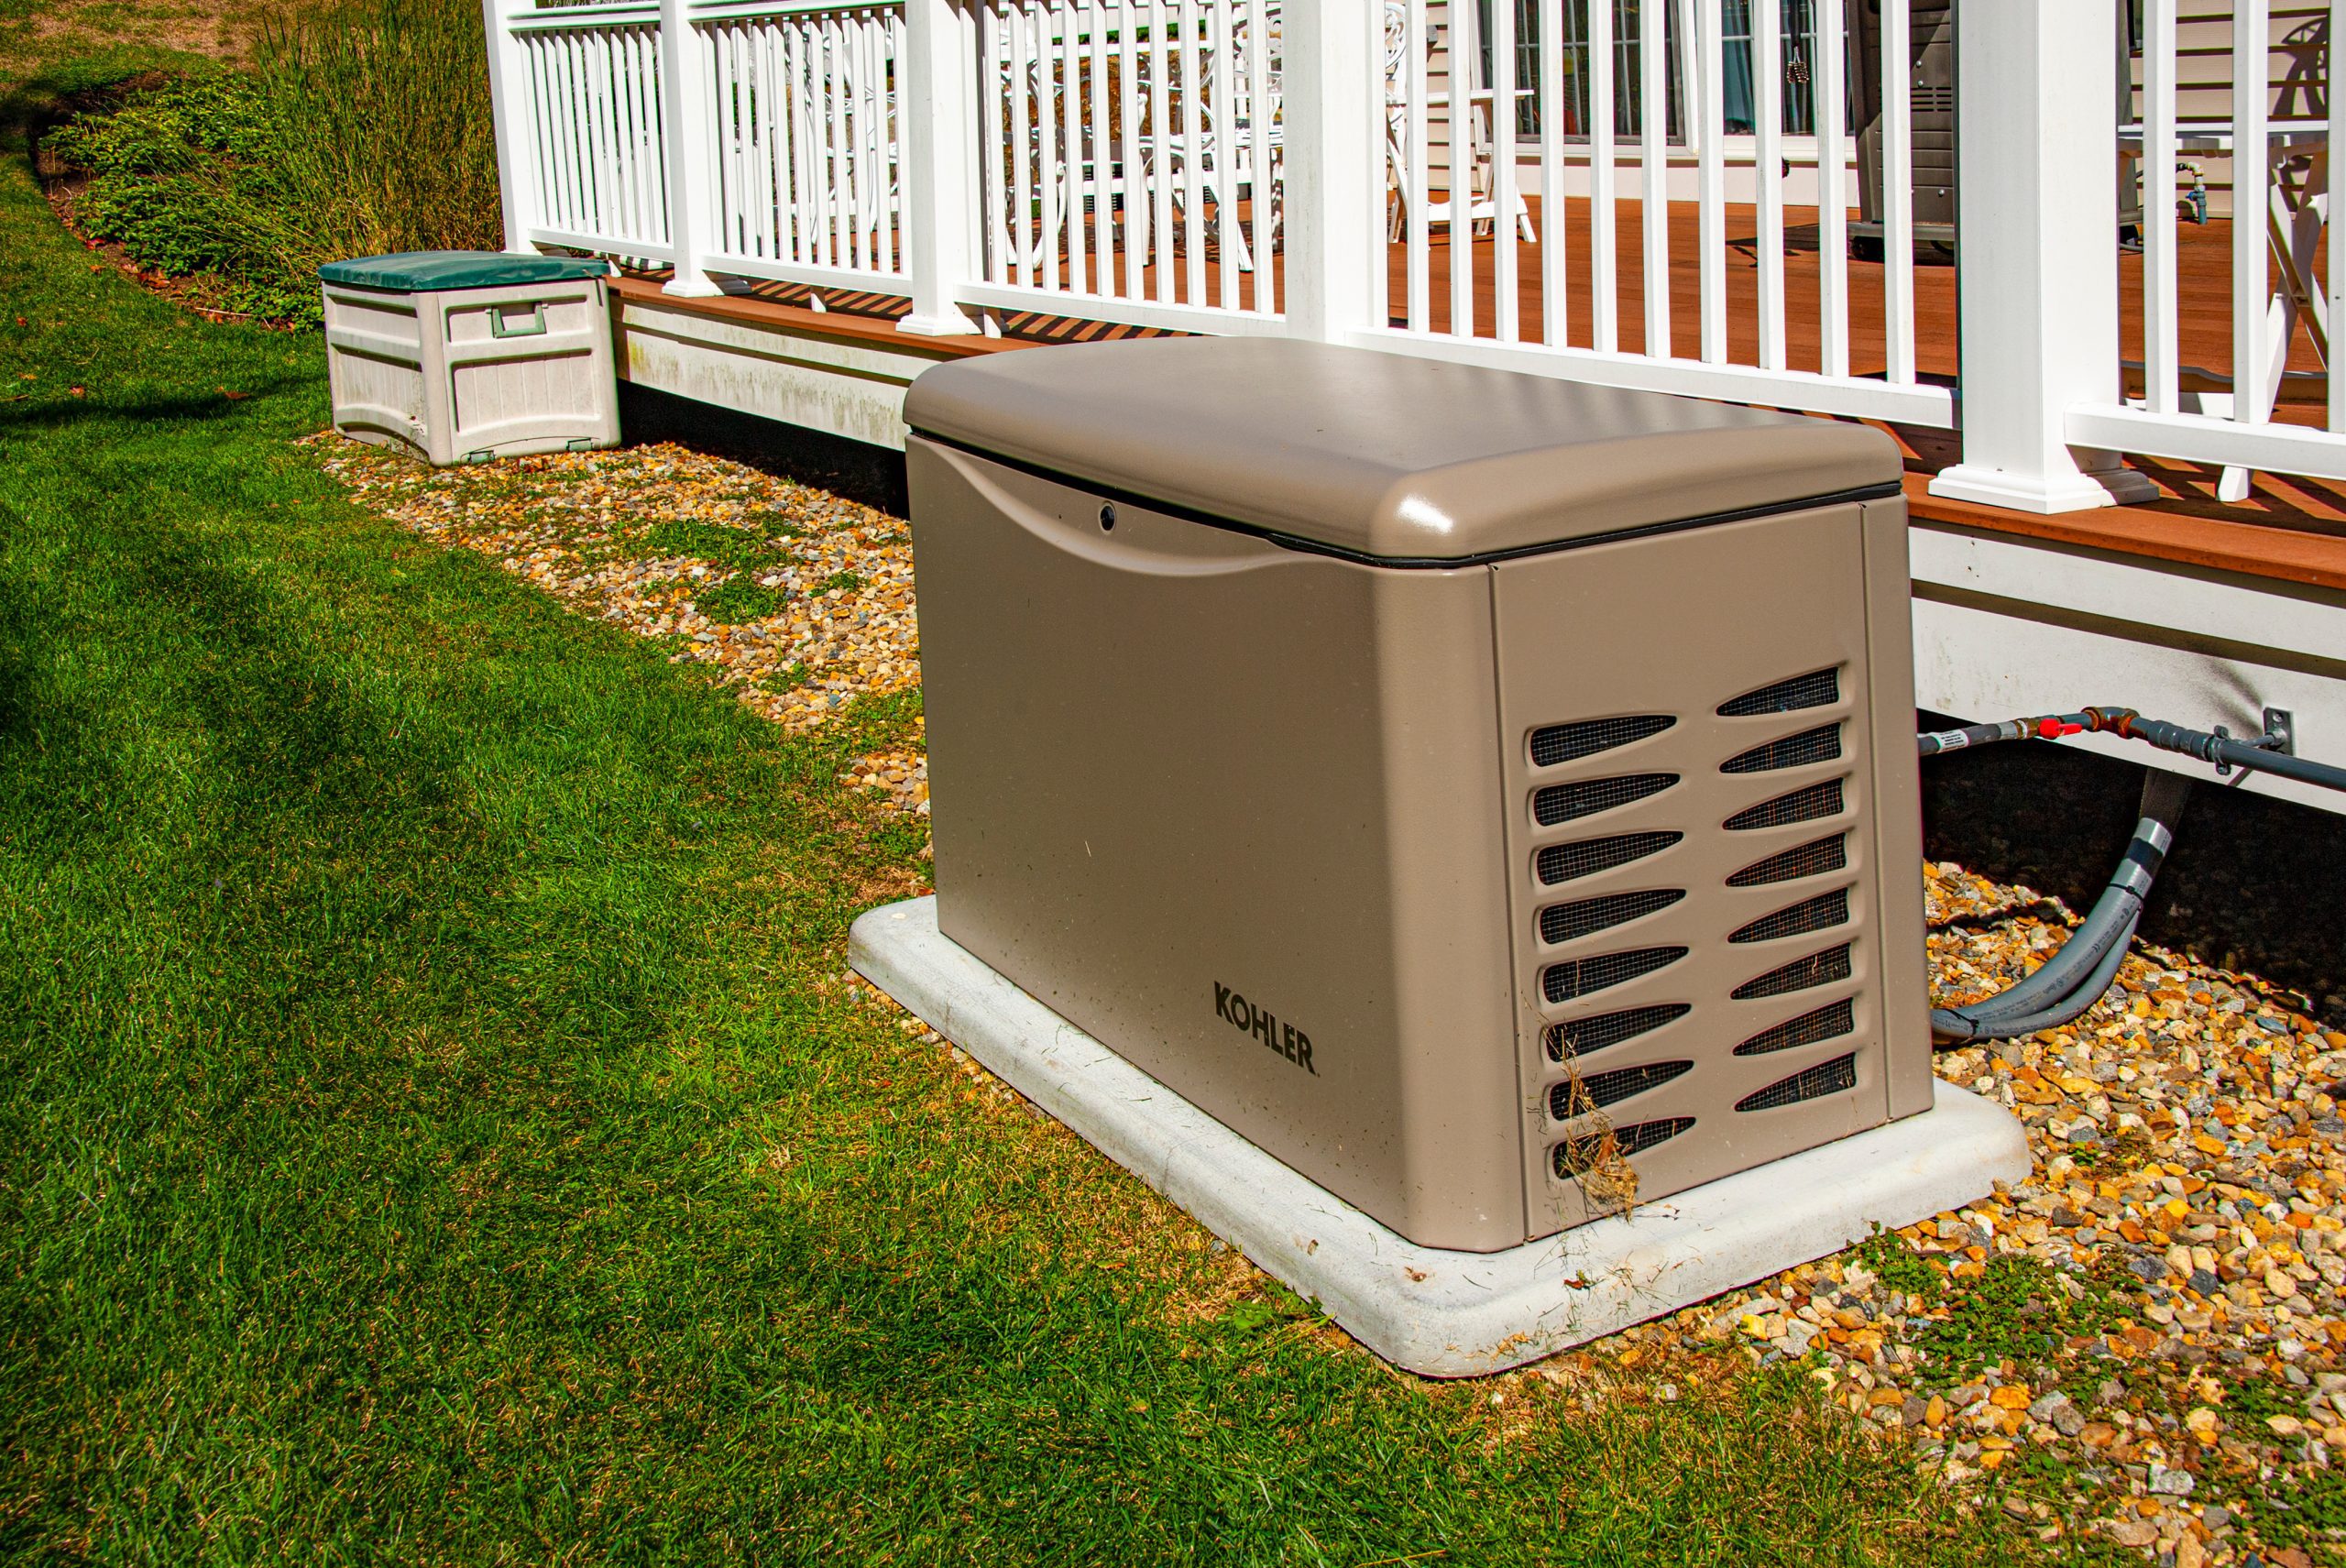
<point x="799" y="599"/>
<point x="2143" y="1339"/>
<point x="2141" y="1342"/>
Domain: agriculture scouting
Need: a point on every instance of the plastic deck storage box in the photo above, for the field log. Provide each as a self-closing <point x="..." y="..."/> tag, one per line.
<point x="1492" y="796"/>
<point x="461" y="356"/>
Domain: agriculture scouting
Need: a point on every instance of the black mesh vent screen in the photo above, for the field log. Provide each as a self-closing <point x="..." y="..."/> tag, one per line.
<point x="1821" y="744"/>
<point x="1801" y="805"/>
<point x="1582" y="1035"/>
<point x="1562" y="863"/>
<point x="1568" y="922"/>
<point x="1821" y="913"/>
<point x="1836" y="1077"/>
<point x="1563" y="742"/>
<point x="1561" y="803"/>
<point x="1812" y="858"/>
<point x="1818" y="688"/>
<point x="1575" y="1156"/>
<point x="1572" y="1099"/>
<point x="1828" y="1022"/>
<point x="1818" y="968"/>
<point x="1587" y="976"/>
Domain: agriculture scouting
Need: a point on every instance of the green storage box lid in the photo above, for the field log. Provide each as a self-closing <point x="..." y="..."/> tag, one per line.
<point x="425" y="272"/>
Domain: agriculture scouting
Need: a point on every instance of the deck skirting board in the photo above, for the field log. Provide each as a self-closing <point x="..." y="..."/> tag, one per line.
<point x="2006" y="626"/>
<point x="840" y="387"/>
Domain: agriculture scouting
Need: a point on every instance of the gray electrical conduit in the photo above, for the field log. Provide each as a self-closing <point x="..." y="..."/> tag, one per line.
<point x="2069" y="982"/>
<point x="2110" y="923"/>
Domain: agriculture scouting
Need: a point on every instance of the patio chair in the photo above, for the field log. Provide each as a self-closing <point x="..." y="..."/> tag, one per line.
<point x="1481" y="202"/>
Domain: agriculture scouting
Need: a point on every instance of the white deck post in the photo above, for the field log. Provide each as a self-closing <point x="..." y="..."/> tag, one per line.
<point x="509" y="104"/>
<point x="2037" y="281"/>
<point x="935" y="117"/>
<point x="684" y="101"/>
<point x="1333" y="79"/>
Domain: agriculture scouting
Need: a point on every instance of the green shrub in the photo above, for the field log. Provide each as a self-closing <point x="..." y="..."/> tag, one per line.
<point x="363" y="128"/>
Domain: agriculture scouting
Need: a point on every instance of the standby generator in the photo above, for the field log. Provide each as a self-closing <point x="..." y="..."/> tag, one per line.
<point x="1493" y="796"/>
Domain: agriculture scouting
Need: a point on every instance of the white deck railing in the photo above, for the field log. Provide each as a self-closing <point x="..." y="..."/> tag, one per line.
<point x="1129" y="160"/>
<point x="592" y="145"/>
<point x="2275" y="287"/>
<point x="1230" y="165"/>
<point x="1679" y="40"/>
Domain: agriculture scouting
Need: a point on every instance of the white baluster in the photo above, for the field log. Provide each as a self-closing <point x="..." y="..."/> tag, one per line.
<point x="2162" y="356"/>
<point x="1897" y="68"/>
<point x="1832" y="199"/>
<point x="1504" y="288"/>
<point x="1710" y="94"/>
<point x="1768" y="149"/>
<point x="1603" y="297"/>
<point x="1653" y="128"/>
<point x="1555" y="326"/>
<point x="2255" y="354"/>
<point x="1465" y="58"/>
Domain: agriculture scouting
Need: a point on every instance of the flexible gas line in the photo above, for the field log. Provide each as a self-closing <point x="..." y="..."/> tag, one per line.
<point x="2074" y="979"/>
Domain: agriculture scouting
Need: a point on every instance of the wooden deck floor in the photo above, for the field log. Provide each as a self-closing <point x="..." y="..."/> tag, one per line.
<point x="2292" y="530"/>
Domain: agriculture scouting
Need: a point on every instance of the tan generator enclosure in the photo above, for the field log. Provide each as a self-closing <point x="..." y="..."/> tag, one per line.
<point x="461" y="356"/>
<point x="1493" y="796"/>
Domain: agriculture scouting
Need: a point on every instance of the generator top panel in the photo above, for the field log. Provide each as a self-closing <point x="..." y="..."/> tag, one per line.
<point x="1384" y="457"/>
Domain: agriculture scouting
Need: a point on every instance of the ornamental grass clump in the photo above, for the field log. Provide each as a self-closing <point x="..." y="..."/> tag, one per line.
<point x="362" y="128"/>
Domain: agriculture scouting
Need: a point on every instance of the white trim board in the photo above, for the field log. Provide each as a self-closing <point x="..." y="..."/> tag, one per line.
<point x="2006" y="627"/>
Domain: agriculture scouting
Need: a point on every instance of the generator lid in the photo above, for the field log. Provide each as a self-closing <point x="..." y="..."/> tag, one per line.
<point x="429" y="272"/>
<point x="1385" y="455"/>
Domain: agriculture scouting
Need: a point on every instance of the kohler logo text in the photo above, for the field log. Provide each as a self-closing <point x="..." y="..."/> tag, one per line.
<point x="1285" y="1038"/>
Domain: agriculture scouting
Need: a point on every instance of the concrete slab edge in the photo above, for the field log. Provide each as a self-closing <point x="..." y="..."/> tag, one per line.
<point x="1444" y="1314"/>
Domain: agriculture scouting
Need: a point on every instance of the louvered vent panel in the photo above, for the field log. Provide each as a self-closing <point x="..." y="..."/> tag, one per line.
<point x="1576" y="1155"/>
<point x="1836" y="1077"/>
<point x="1565" y="742"/>
<point x="1585" y="977"/>
<point x="1562" y="802"/>
<point x="1801" y="974"/>
<point x="1812" y="858"/>
<point x="1569" y="922"/>
<point x="1826" y="1023"/>
<point x="1582" y="1036"/>
<point x="1563" y="863"/>
<point x="1818" y="688"/>
<point x="1818" y="800"/>
<point x="1579" y="1097"/>
<point x="1821" y="913"/>
<point x="1821" y="744"/>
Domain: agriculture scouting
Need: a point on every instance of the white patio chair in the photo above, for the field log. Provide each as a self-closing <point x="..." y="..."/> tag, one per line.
<point x="1481" y="202"/>
<point x="1127" y="189"/>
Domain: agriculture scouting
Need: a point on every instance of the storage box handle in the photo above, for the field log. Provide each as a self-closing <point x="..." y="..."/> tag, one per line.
<point x="500" y="327"/>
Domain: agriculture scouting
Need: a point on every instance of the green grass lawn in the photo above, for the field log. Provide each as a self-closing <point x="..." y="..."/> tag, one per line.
<point x="434" y="1125"/>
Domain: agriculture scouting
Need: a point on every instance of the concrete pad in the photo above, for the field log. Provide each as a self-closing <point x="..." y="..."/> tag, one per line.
<point x="1446" y="1314"/>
